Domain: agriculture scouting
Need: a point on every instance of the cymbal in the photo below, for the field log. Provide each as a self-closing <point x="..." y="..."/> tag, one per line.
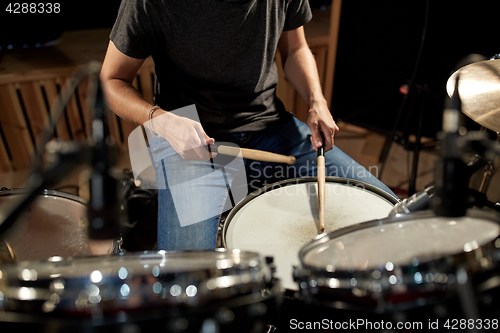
<point x="479" y="88"/>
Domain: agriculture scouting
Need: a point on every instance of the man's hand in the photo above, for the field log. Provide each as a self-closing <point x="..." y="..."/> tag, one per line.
<point x="186" y="136"/>
<point x="322" y="126"/>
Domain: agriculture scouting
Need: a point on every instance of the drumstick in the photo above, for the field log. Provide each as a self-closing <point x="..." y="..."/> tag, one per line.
<point x="321" y="188"/>
<point x="253" y="154"/>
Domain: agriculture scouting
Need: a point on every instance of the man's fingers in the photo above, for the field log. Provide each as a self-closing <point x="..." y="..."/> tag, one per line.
<point x="317" y="138"/>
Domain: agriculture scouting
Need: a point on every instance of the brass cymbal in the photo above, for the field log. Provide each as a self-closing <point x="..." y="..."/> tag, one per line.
<point x="479" y="88"/>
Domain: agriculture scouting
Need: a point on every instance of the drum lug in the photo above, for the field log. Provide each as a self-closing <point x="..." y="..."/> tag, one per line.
<point x="296" y="273"/>
<point x="271" y="264"/>
<point x="118" y="246"/>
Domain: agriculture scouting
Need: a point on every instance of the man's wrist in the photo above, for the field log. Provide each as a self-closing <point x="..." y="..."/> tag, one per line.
<point x="315" y="102"/>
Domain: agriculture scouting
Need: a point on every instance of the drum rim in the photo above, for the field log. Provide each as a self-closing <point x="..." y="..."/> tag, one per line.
<point x="307" y="273"/>
<point x="300" y="180"/>
<point x="260" y="274"/>
<point x="384" y="221"/>
<point x="45" y="192"/>
<point x="64" y="261"/>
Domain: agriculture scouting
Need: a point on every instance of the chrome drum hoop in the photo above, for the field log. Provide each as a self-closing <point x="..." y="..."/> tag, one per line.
<point x="385" y="286"/>
<point x="301" y="180"/>
<point x="135" y="287"/>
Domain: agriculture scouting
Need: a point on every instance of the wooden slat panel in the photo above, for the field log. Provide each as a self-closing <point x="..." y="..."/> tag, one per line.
<point x="83" y="90"/>
<point x="52" y="95"/>
<point x="36" y="75"/>
<point x="301" y="108"/>
<point x="127" y="128"/>
<point x="114" y="130"/>
<point x="74" y="120"/>
<point x="36" y="110"/>
<point x="332" y="49"/>
<point x="320" y="56"/>
<point x="14" y="127"/>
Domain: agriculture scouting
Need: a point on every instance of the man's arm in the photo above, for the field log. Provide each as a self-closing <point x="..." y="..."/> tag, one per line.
<point x="186" y="136"/>
<point x="300" y="69"/>
<point x="117" y="74"/>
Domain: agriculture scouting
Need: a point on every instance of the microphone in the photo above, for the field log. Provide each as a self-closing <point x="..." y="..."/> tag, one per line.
<point x="451" y="171"/>
<point x="103" y="207"/>
<point x="419" y="201"/>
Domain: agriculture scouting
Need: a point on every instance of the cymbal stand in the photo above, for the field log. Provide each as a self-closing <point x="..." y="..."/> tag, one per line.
<point x="419" y="99"/>
<point x="489" y="172"/>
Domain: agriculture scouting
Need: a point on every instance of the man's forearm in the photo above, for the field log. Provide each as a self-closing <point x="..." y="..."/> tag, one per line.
<point x="124" y="100"/>
<point x="301" y="70"/>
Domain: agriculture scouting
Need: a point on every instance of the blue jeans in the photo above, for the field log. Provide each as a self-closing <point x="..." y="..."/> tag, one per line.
<point x="193" y="194"/>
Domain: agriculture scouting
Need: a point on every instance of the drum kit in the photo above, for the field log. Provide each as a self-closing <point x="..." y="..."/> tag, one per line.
<point x="276" y="270"/>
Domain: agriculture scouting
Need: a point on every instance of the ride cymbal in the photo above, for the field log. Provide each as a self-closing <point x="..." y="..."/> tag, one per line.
<point x="479" y="88"/>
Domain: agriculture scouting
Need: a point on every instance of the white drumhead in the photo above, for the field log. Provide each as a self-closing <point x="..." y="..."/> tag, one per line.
<point x="402" y="242"/>
<point x="279" y="222"/>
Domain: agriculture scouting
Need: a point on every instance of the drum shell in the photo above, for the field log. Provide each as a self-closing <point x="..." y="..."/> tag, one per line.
<point x="55" y="224"/>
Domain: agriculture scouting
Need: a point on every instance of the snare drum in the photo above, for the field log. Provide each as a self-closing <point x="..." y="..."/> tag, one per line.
<point x="403" y="263"/>
<point x="54" y="225"/>
<point x="279" y="219"/>
<point x="217" y="291"/>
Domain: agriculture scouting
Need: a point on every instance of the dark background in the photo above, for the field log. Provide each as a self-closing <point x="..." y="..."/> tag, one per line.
<point x="377" y="51"/>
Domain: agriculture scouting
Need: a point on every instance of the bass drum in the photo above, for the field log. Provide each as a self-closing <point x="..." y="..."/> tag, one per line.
<point x="191" y="291"/>
<point x="54" y="225"/>
<point x="279" y="219"/>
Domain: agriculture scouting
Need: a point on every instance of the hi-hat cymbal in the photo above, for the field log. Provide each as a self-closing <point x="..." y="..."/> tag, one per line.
<point x="479" y="88"/>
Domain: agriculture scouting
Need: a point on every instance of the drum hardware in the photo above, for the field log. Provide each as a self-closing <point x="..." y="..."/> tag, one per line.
<point x="467" y="297"/>
<point x="408" y="90"/>
<point x="489" y="172"/>
<point x="7" y="254"/>
<point x="422" y="201"/>
<point x="451" y="171"/>
<point x="138" y="210"/>
<point x="417" y="202"/>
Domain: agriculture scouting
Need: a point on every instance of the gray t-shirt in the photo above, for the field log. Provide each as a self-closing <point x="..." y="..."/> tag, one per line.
<point x="216" y="54"/>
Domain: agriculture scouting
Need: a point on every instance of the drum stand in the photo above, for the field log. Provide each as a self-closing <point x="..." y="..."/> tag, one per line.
<point x="422" y="97"/>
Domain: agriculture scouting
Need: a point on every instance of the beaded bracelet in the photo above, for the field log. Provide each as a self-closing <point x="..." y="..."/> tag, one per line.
<point x="150" y="118"/>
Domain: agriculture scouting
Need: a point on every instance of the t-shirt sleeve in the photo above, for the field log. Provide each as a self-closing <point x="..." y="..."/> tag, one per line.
<point x="297" y="14"/>
<point x="133" y="32"/>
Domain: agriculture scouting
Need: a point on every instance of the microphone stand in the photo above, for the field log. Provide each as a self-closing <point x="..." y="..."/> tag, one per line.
<point x="103" y="206"/>
<point x="63" y="157"/>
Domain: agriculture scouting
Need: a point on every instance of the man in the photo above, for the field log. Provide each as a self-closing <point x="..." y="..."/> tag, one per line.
<point x="219" y="56"/>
